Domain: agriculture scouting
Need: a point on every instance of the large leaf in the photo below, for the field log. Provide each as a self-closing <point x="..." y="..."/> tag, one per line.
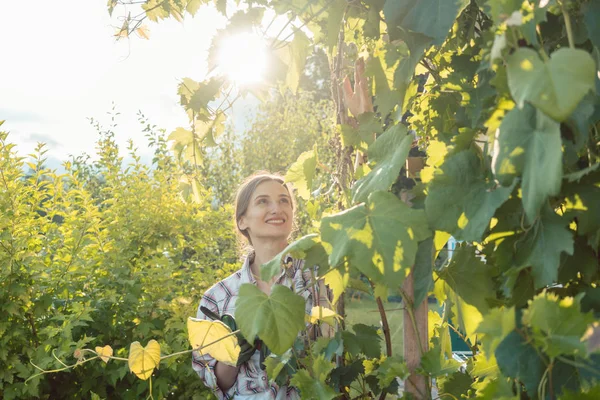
<point x="311" y="388"/>
<point x="542" y="246"/>
<point x="422" y="271"/>
<point x="437" y="364"/>
<point x="558" y="323"/>
<point x="556" y="86"/>
<point x="530" y="146"/>
<point x="379" y="238"/>
<point x="302" y="172"/>
<point x="389" y="152"/>
<point x="517" y="358"/>
<point x="433" y="18"/>
<point x="202" y="332"/>
<point x="299" y="52"/>
<point x="591" y="17"/>
<point x="461" y="199"/>
<point x="276" y="319"/>
<point x="496" y="325"/>
<point x="479" y="284"/>
<point x="143" y="360"/>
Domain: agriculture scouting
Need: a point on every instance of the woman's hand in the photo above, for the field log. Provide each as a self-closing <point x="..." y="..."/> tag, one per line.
<point x="358" y="100"/>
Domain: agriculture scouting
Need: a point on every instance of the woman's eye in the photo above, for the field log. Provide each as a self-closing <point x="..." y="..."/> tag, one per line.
<point x="262" y="201"/>
<point x="285" y="200"/>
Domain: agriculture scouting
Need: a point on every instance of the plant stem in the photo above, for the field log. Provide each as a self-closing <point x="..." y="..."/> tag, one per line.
<point x="567" y="25"/>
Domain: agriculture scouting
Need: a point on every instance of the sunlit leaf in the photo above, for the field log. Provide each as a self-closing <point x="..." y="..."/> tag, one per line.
<point x="379" y="238"/>
<point x="143" y="360"/>
<point x="389" y="152"/>
<point x="530" y="146"/>
<point x="556" y="86"/>
<point x="462" y="199"/>
<point x="302" y="172"/>
<point x="104" y="352"/>
<point x="203" y="332"/>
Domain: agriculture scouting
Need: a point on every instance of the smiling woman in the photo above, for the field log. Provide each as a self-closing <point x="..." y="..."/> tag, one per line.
<point x="243" y="58"/>
<point x="264" y="212"/>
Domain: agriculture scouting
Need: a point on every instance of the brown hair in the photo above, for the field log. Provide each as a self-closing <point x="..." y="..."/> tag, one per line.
<point x="246" y="190"/>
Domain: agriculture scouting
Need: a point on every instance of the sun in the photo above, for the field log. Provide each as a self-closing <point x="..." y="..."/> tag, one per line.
<point x="243" y="58"/>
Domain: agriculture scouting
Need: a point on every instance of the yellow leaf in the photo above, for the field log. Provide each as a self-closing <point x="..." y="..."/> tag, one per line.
<point x="323" y="314"/>
<point x="142" y="31"/>
<point x="104" y="352"/>
<point x="143" y="360"/>
<point x="202" y="332"/>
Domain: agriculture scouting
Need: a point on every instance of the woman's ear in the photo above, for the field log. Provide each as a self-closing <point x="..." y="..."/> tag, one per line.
<point x="242" y="224"/>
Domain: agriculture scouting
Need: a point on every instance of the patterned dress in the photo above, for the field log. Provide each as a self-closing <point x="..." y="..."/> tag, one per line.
<point x="252" y="382"/>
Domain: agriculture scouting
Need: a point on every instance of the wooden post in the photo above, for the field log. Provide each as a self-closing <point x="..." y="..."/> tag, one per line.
<point x="415" y="384"/>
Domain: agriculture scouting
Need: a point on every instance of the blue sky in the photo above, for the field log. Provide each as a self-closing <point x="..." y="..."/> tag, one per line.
<point x="62" y="65"/>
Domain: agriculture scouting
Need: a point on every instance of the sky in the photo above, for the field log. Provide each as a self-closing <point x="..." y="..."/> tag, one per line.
<point x="61" y="65"/>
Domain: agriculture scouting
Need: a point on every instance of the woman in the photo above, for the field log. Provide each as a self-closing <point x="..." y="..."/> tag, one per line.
<point x="264" y="214"/>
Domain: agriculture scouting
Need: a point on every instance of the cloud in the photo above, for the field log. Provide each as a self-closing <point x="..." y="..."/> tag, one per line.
<point x="17" y="116"/>
<point x="44" y="138"/>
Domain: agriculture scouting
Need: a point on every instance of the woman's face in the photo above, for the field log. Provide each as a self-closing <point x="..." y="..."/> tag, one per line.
<point x="269" y="214"/>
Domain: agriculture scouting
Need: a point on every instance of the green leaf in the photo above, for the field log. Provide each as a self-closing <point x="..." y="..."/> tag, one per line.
<point x="389" y="152"/>
<point x="337" y="282"/>
<point x="299" y="51"/>
<point x="461" y="199"/>
<point x="181" y="136"/>
<point x="591" y="17"/>
<point x="558" y="323"/>
<point x="390" y="369"/>
<point x="275" y="364"/>
<point x="500" y="10"/>
<point x="433" y="18"/>
<point x="583" y="203"/>
<point x="311" y="388"/>
<point x="422" y="271"/>
<point x="478" y="287"/>
<point x="455" y="386"/>
<point x="496" y="325"/>
<point x="302" y="172"/>
<point x="206" y="92"/>
<point x="517" y="358"/>
<point x="276" y="319"/>
<point x="435" y="363"/>
<point x="555" y="87"/>
<point x="543" y="244"/>
<point x="379" y="238"/>
<point x="530" y="146"/>
<point x="368" y="339"/>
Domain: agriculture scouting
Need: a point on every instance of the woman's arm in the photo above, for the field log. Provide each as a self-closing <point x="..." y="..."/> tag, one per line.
<point x="226" y="375"/>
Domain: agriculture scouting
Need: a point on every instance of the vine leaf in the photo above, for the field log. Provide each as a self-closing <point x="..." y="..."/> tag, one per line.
<point x="302" y="172"/>
<point x="299" y="51"/>
<point x="324" y="314"/>
<point x="104" y="352"/>
<point x="542" y="245"/>
<point x="276" y="319"/>
<point x="478" y="287"/>
<point x="455" y="385"/>
<point x="275" y="364"/>
<point x="517" y="358"/>
<point x="390" y="369"/>
<point x="437" y="364"/>
<point x="378" y="238"/>
<point x="202" y="332"/>
<point x="558" y="324"/>
<point x="423" y="271"/>
<point x="530" y="146"/>
<point x="308" y="247"/>
<point x="555" y="87"/>
<point x="583" y="203"/>
<point x="494" y="327"/>
<point x="143" y="360"/>
<point x="591" y="17"/>
<point x="433" y="18"/>
<point x="389" y="152"/>
<point x="461" y="200"/>
<point x="311" y="388"/>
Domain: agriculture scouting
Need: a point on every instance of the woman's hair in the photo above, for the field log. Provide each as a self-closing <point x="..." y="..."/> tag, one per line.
<point x="246" y="190"/>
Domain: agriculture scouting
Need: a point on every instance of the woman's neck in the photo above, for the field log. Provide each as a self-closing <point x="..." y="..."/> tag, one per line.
<point x="265" y="252"/>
